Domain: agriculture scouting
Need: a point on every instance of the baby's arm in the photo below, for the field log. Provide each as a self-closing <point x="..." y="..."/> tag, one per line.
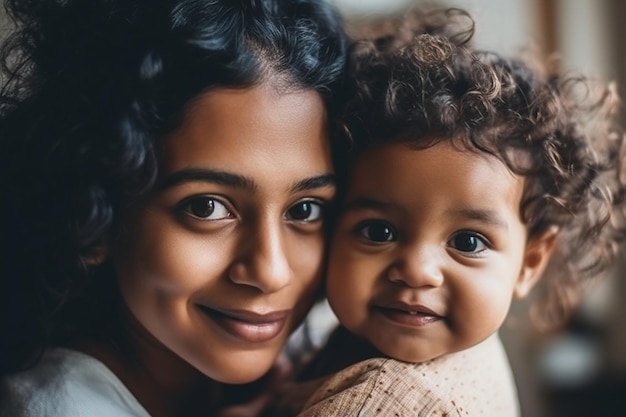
<point x="376" y="386"/>
<point x="475" y="382"/>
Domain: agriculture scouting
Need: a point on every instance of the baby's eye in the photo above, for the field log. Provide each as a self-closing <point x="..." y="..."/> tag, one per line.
<point x="468" y="242"/>
<point x="206" y="208"/>
<point x="378" y="232"/>
<point x="305" y="211"/>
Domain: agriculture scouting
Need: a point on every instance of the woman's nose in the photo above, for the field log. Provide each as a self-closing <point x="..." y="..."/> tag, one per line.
<point x="418" y="266"/>
<point x="263" y="262"/>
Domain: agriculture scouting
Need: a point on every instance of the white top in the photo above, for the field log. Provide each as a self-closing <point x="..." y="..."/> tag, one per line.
<point x="67" y="383"/>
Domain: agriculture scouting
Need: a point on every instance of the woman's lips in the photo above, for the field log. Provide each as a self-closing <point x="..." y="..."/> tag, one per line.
<point x="409" y="315"/>
<point x="247" y="325"/>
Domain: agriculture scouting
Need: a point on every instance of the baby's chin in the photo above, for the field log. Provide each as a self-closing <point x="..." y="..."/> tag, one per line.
<point x="412" y="351"/>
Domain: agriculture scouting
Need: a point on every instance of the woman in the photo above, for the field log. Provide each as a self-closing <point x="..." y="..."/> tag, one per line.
<point x="167" y="170"/>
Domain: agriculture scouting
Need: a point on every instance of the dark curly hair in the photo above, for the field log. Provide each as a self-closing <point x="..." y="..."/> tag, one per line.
<point x="420" y="82"/>
<point x="88" y="89"/>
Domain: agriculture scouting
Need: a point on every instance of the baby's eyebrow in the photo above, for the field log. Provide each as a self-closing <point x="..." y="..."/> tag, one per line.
<point x="488" y="216"/>
<point x="363" y="203"/>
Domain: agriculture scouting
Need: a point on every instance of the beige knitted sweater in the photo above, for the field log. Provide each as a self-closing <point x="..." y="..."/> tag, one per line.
<point x="474" y="382"/>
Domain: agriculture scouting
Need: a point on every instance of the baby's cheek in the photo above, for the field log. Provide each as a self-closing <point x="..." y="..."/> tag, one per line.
<point x="479" y="316"/>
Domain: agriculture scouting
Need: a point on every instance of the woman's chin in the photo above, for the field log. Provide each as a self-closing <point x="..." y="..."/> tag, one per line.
<point x="243" y="368"/>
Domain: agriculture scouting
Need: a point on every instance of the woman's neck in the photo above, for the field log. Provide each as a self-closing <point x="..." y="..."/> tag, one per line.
<point x="160" y="380"/>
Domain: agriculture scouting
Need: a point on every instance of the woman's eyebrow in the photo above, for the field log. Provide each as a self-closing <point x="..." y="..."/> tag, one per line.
<point x="207" y="175"/>
<point x="236" y="180"/>
<point x="319" y="181"/>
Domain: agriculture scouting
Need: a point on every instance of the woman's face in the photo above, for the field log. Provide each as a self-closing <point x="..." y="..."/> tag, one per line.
<point x="221" y="262"/>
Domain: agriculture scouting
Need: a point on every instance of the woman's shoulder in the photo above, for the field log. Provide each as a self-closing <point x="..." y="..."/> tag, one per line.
<point x="67" y="383"/>
<point x="477" y="381"/>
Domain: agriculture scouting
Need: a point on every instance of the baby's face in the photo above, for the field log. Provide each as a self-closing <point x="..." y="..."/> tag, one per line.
<point x="429" y="251"/>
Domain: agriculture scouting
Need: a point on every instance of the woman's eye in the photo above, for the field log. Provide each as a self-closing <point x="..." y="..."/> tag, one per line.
<point x="468" y="242"/>
<point x="305" y="211"/>
<point x="378" y="232"/>
<point x="206" y="208"/>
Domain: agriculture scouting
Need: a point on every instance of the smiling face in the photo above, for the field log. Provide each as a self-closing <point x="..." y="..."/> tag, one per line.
<point x="430" y="250"/>
<point x="221" y="262"/>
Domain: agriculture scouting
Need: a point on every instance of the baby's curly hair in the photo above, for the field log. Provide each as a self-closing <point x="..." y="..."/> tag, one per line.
<point x="421" y="83"/>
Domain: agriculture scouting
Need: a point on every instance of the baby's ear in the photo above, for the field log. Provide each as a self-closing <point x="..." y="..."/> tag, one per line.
<point x="536" y="256"/>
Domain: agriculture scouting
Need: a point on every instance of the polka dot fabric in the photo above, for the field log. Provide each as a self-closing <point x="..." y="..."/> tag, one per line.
<point x="474" y="382"/>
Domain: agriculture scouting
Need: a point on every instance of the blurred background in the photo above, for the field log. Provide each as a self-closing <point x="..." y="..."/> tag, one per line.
<point x="579" y="370"/>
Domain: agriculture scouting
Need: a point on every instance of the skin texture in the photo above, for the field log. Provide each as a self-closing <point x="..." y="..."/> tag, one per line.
<point x="430" y="250"/>
<point x="222" y="261"/>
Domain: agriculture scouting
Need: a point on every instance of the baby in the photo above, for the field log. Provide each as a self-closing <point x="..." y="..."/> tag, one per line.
<point x="469" y="174"/>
